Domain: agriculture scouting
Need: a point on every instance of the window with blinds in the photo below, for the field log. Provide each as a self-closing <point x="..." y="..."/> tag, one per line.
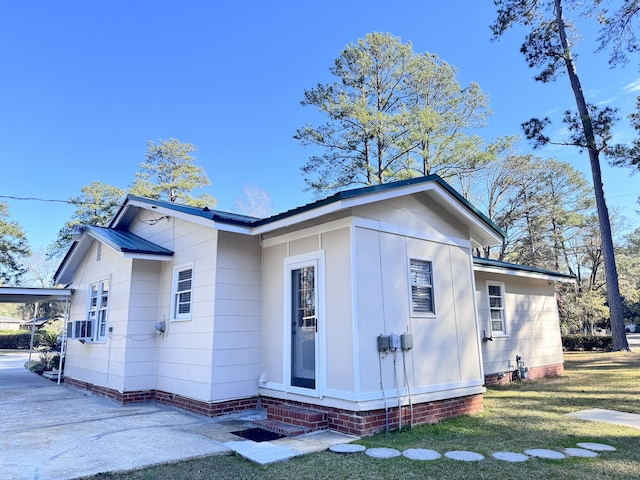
<point x="182" y="293"/>
<point x="421" y="280"/>
<point x="496" y="308"/>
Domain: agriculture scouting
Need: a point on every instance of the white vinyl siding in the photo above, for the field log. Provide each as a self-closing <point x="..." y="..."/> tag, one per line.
<point x="183" y="287"/>
<point x="496" y="308"/>
<point x="421" y="281"/>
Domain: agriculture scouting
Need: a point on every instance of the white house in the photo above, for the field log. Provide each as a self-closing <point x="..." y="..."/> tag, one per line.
<point x="359" y="312"/>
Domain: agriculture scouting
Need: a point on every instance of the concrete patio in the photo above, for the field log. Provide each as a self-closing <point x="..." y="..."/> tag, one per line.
<point x="52" y="431"/>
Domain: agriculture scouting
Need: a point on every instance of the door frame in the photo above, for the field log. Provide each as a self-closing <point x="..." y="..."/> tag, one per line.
<point x="315" y="259"/>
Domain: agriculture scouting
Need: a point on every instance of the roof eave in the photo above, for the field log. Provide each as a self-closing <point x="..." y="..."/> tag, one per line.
<point x="207" y="219"/>
<point x="32" y="294"/>
<point x="483" y="231"/>
<point x="479" y="265"/>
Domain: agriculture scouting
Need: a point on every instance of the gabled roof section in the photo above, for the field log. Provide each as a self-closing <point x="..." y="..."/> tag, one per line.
<point x="506" y="268"/>
<point x="133" y="203"/>
<point x="124" y="242"/>
<point x="117" y="236"/>
<point x="483" y="230"/>
<point x="382" y="188"/>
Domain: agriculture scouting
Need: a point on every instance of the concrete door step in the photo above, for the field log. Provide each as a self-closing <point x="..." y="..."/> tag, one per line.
<point x="53" y="375"/>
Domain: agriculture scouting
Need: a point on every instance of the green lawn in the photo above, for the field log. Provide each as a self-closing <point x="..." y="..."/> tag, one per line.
<point x="525" y="415"/>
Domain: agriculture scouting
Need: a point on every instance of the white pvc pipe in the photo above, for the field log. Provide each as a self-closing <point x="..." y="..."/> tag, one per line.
<point x="33" y="328"/>
<point x="63" y="343"/>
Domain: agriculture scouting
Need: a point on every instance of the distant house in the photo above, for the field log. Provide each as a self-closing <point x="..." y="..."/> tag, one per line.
<point x="37" y="323"/>
<point x="331" y="315"/>
<point x="8" y="323"/>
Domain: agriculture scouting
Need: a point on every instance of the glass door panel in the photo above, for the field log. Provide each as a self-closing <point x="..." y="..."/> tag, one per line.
<point x="304" y="327"/>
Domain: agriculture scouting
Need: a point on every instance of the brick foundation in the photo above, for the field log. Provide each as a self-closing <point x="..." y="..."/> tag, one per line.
<point x="533" y="373"/>
<point x="208" y="409"/>
<point x="356" y="423"/>
<point x="374" y="421"/>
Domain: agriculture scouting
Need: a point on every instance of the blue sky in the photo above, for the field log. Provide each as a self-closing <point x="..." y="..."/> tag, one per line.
<point x="86" y="84"/>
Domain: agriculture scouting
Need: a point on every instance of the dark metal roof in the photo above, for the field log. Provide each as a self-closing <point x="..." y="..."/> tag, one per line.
<point x="215" y="215"/>
<point x="125" y="241"/>
<point x="487" y="262"/>
<point x="121" y="241"/>
<point x="356" y="192"/>
<point x="244" y="220"/>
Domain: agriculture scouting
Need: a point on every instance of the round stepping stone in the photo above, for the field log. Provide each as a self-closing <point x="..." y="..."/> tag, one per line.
<point x="510" y="456"/>
<point x="598" y="447"/>
<point x="420" y="454"/>
<point x="382" y="452"/>
<point x="544" y="453"/>
<point x="464" y="456"/>
<point x="347" y="448"/>
<point x="580" y="452"/>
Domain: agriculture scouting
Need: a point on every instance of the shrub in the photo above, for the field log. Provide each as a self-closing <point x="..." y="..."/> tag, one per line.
<point x="16" y="339"/>
<point x="587" y="343"/>
<point x="47" y="338"/>
<point x="21" y="339"/>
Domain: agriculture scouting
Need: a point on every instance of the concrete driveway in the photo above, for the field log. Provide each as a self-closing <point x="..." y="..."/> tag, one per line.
<point x="51" y="431"/>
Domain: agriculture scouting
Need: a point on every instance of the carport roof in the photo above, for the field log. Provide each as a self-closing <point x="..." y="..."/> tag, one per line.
<point x="32" y="294"/>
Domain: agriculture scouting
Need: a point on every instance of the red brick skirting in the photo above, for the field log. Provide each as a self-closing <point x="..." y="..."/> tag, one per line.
<point x="373" y="421"/>
<point x="356" y="423"/>
<point x="533" y="372"/>
<point x="208" y="409"/>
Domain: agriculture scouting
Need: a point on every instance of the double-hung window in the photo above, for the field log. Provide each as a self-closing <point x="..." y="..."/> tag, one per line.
<point x="182" y="293"/>
<point x="94" y="326"/>
<point x="496" y="308"/>
<point x="421" y="283"/>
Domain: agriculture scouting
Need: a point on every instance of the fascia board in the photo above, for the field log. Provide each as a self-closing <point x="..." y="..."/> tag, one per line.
<point x="298" y="218"/>
<point x="481" y="232"/>
<point x="205" y="222"/>
<point x="32" y="294"/>
<point x="341" y="204"/>
<point x="146" y="256"/>
<point x="522" y="273"/>
<point x="64" y="274"/>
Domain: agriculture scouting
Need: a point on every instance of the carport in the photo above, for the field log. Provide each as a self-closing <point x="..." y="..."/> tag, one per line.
<point x="36" y="295"/>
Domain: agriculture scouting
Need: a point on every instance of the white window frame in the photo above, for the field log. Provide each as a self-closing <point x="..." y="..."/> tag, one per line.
<point x="93" y="328"/>
<point x="175" y="283"/>
<point x="412" y="283"/>
<point x="501" y="308"/>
